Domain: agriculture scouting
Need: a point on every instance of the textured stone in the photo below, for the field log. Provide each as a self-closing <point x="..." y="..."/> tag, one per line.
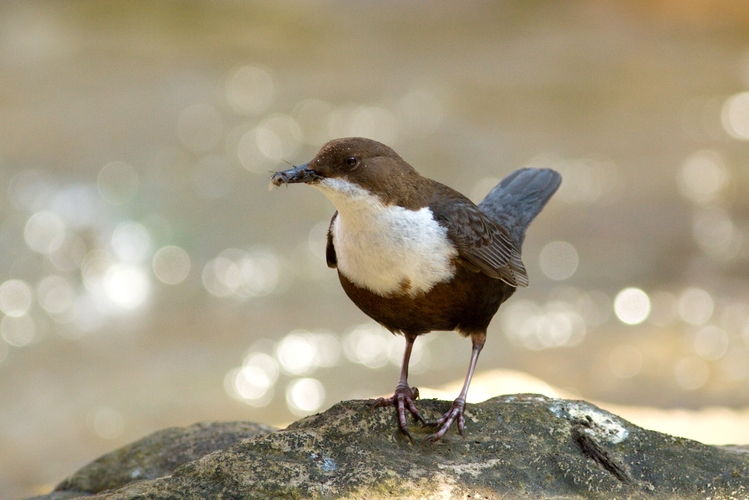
<point x="156" y="455"/>
<point x="520" y="446"/>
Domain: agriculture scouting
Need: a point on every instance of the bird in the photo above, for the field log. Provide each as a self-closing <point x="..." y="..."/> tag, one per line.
<point x="417" y="256"/>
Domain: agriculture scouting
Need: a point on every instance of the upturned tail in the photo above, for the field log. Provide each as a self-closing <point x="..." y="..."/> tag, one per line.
<point x="519" y="198"/>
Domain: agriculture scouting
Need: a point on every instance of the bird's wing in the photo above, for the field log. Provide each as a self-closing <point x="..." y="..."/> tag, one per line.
<point x="481" y="242"/>
<point x="518" y="199"/>
<point x="330" y="256"/>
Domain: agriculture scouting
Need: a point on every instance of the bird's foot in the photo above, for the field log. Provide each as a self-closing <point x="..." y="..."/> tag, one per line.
<point x="446" y="421"/>
<point x="403" y="400"/>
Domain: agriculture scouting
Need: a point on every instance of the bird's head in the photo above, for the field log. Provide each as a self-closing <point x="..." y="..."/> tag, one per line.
<point x="348" y="165"/>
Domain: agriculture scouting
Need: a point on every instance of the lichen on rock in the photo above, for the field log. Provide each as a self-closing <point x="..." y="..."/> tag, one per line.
<point x="520" y="446"/>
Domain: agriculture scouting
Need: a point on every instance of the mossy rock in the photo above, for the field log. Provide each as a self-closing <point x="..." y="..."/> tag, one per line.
<point x="519" y="446"/>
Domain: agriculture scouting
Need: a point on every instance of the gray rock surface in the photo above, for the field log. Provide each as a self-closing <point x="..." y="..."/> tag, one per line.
<point x="156" y="455"/>
<point x="520" y="446"/>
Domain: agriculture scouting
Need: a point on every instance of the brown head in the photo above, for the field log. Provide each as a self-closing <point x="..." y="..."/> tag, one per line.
<point x="367" y="164"/>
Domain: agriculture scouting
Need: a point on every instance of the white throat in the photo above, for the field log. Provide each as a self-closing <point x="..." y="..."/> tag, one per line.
<point x="387" y="249"/>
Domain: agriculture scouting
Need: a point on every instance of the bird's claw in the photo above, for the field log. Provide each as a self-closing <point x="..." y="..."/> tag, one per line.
<point x="456" y="412"/>
<point x="403" y="400"/>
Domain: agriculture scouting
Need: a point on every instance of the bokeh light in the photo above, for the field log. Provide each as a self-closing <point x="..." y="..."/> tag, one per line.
<point x="69" y="255"/>
<point x="250" y="90"/>
<point x="304" y="396"/>
<point x="28" y="190"/>
<point x="117" y="182"/>
<point x="249" y="154"/>
<point x="15" y="298"/>
<point x="44" y="232"/>
<point x="519" y="319"/>
<point x="559" y="326"/>
<point x="559" y="260"/>
<point x="221" y="276"/>
<point x="716" y="233"/>
<point x="735" y="116"/>
<point x="249" y="386"/>
<point x="242" y="274"/>
<point x="108" y="423"/>
<point x="171" y="265"/>
<point x="18" y="331"/>
<point x="300" y="352"/>
<point x="588" y="180"/>
<point x="368" y="344"/>
<point x="711" y="343"/>
<point x="696" y="306"/>
<point x="296" y="353"/>
<point x="327" y="349"/>
<point x="126" y="285"/>
<point x="632" y="306"/>
<point x="278" y="137"/>
<point x="702" y="176"/>
<point x="88" y="314"/>
<point x="131" y="242"/>
<point x="253" y="382"/>
<point x="55" y="294"/>
<point x="78" y="204"/>
<point x="420" y="360"/>
<point x="691" y="373"/>
<point x="374" y="122"/>
<point x="734" y="317"/>
<point x="555" y="324"/>
<point x="594" y="306"/>
<point x="93" y="269"/>
<point x="733" y="363"/>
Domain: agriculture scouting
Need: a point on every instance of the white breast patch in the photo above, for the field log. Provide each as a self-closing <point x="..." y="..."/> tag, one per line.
<point x="387" y="249"/>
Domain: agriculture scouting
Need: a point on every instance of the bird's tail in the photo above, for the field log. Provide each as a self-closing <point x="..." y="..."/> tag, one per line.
<point x="519" y="198"/>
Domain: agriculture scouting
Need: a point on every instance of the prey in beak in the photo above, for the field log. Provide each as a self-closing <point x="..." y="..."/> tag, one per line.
<point x="300" y="174"/>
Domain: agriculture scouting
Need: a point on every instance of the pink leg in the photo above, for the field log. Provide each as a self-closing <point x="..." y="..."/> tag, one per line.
<point x="404" y="395"/>
<point x="458" y="407"/>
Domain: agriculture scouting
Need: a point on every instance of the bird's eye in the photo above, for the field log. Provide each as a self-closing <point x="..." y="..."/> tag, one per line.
<point x="351" y="161"/>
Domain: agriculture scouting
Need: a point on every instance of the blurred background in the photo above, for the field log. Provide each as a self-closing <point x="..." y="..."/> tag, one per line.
<point x="148" y="278"/>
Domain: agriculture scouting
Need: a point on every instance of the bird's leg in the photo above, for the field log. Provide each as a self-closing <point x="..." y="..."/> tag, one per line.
<point x="458" y="407"/>
<point x="404" y="396"/>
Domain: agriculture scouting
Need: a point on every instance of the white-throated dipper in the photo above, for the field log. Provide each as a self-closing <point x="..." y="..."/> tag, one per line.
<point x="416" y="255"/>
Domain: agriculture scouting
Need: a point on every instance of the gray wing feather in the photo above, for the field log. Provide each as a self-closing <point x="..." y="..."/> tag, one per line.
<point x="518" y="199"/>
<point x="482" y="242"/>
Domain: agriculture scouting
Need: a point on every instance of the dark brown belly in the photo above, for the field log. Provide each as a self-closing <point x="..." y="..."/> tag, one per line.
<point x="467" y="303"/>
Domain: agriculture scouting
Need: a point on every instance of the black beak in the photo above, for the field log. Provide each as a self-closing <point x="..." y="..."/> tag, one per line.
<point x="295" y="175"/>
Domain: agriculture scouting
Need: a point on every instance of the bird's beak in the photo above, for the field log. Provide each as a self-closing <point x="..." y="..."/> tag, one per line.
<point x="298" y="174"/>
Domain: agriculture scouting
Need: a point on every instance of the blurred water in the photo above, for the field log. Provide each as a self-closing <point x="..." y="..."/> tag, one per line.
<point x="148" y="278"/>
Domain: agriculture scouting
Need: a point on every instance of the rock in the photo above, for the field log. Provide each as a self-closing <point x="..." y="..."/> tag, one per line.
<point x="154" y="456"/>
<point x="519" y="446"/>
